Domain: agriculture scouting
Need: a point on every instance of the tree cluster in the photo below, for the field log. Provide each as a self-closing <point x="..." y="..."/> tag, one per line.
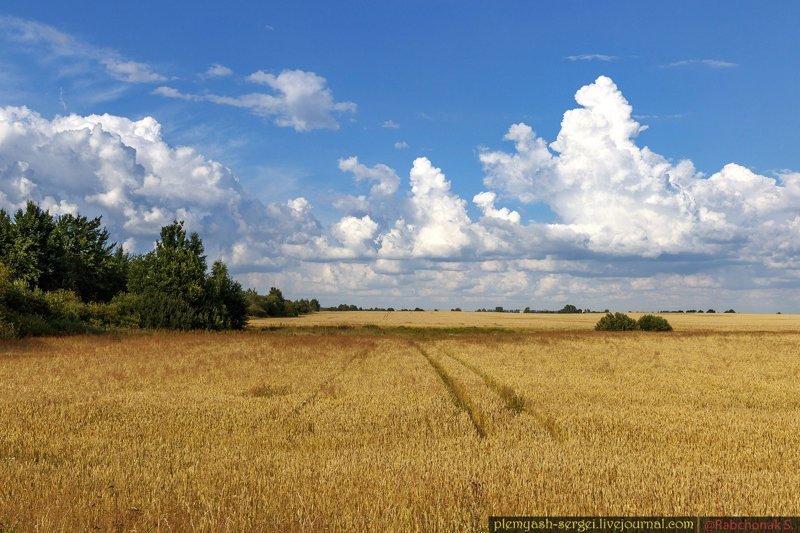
<point x="67" y="252"/>
<point x="61" y="274"/>
<point x="274" y="304"/>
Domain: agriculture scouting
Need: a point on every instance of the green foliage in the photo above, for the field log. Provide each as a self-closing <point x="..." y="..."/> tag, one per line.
<point x="88" y="265"/>
<point x="176" y="267"/>
<point x="274" y="304"/>
<point x="227" y="300"/>
<point x="157" y="310"/>
<point x="653" y="323"/>
<point x="622" y="322"/>
<point x="61" y="275"/>
<point x="169" y="287"/>
<point x="569" y="308"/>
<point x="616" y="322"/>
<point x="66" y="304"/>
<point x="29" y="248"/>
<point x="67" y="252"/>
<point x="25" y="311"/>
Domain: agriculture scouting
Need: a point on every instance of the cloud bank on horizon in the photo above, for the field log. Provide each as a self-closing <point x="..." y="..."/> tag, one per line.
<point x="630" y="225"/>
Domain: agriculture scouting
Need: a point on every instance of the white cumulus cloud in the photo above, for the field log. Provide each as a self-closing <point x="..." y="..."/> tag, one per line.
<point x="384" y="178"/>
<point x="626" y="199"/>
<point x="485" y="201"/>
<point x="123" y="170"/>
<point x="300" y="100"/>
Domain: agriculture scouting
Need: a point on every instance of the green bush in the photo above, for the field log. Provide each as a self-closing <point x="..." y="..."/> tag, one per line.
<point x="156" y="310"/>
<point x="653" y="323"/>
<point x="65" y="304"/>
<point x="8" y="329"/>
<point x="616" y="322"/>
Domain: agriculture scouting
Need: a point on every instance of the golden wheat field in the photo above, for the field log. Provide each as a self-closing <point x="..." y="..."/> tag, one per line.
<point x="355" y="428"/>
<point x="528" y="321"/>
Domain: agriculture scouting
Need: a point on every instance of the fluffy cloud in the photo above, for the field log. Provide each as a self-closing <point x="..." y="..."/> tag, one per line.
<point x="627" y="200"/>
<point x="123" y="170"/>
<point x="300" y="100"/>
<point x="438" y="227"/>
<point x="485" y="201"/>
<point x="385" y="179"/>
<point x="356" y="234"/>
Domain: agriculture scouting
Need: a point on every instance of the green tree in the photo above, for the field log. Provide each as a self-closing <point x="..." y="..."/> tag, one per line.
<point x="169" y="282"/>
<point x="176" y="267"/>
<point x="31" y="252"/>
<point x="6" y="233"/>
<point x="226" y="298"/>
<point x="88" y="265"/>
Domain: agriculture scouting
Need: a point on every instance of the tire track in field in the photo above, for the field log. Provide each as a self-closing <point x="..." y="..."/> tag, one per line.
<point x="360" y="354"/>
<point x="457" y="393"/>
<point x="514" y="401"/>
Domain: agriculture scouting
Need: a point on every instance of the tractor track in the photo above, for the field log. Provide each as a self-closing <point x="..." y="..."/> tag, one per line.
<point x="514" y="402"/>
<point x="360" y="354"/>
<point x="457" y="393"/>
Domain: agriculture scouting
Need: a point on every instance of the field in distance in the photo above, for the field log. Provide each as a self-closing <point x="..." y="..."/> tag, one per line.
<point x="528" y="321"/>
<point x="364" y="429"/>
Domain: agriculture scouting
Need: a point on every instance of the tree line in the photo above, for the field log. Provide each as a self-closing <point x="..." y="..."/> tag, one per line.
<point x="61" y="274"/>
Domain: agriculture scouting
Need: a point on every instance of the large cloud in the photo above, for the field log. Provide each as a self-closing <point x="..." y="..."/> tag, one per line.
<point x="123" y="170"/>
<point x="629" y="200"/>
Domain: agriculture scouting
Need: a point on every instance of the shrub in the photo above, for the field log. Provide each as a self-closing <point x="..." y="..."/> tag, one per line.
<point x="616" y="322"/>
<point x="8" y="329"/>
<point x="65" y="304"/>
<point x="157" y="310"/>
<point x="653" y="323"/>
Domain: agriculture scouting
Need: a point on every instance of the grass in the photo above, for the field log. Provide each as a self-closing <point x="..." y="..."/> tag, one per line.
<point x="317" y="427"/>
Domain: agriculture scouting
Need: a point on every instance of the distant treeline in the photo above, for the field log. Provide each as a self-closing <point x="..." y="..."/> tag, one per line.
<point x="348" y="307"/>
<point x="568" y="309"/>
<point x="697" y="311"/>
<point x="60" y="274"/>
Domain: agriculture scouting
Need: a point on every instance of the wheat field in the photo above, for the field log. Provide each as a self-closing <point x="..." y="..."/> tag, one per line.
<point x="396" y="429"/>
<point x="711" y="322"/>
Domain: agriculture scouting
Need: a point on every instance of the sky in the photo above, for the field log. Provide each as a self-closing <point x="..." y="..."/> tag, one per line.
<point x="625" y="155"/>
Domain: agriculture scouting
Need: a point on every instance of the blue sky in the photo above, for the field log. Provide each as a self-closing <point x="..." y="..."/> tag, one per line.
<point x="714" y="82"/>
